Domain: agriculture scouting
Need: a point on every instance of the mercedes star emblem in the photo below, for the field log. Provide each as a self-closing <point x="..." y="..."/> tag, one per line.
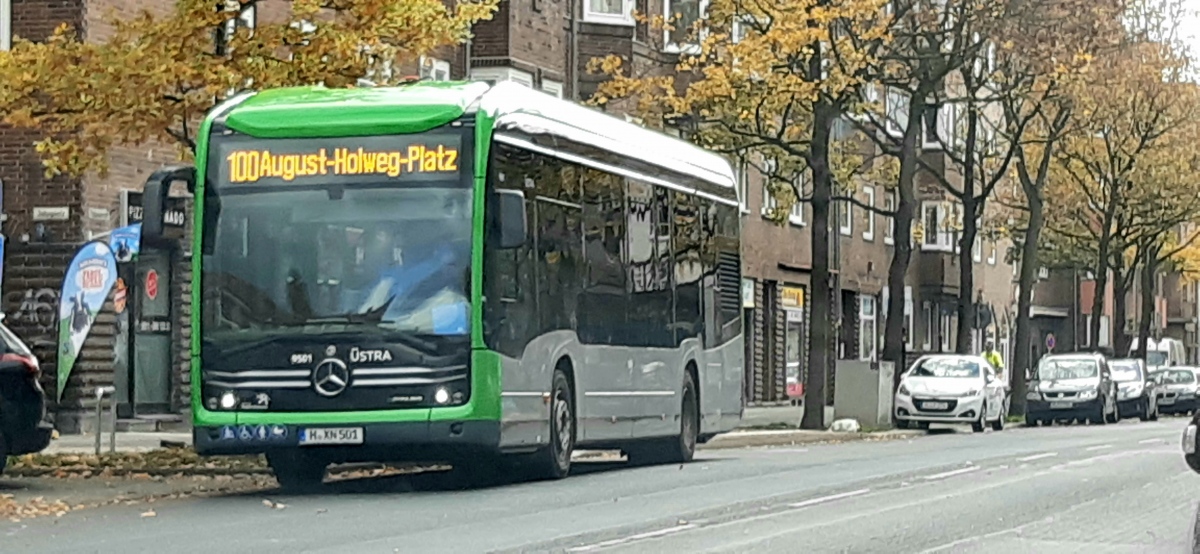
<point x="331" y="377"/>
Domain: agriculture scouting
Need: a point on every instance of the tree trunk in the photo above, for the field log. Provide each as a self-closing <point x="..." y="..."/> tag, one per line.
<point x="1121" y="278"/>
<point x="1149" y="267"/>
<point x="821" y="316"/>
<point x="1098" y="298"/>
<point x="966" y="245"/>
<point x="894" y="339"/>
<point x="1029" y="258"/>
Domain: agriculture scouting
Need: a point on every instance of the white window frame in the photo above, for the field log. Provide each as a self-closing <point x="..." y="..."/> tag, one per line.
<point x="896" y="120"/>
<point x="943" y="128"/>
<point x="552" y="87"/>
<point x="605" y="18"/>
<point x="248" y="18"/>
<point x="910" y="317"/>
<point x="797" y="217"/>
<point x="1043" y="272"/>
<point x="944" y="330"/>
<point x="867" y="324"/>
<point x="687" y="48"/>
<point x="869" y="194"/>
<point x="889" y="204"/>
<point x="930" y="325"/>
<point x="769" y="202"/>
<point x="430" y="67"/>
<point x="500" y="74"/>
<point x="992" y="254"/>
<point x="846" y="218"/>
<point x="977" y="249"/>
<point x="1085" y="340"/>
<point x="742" y="170"/>
<point x="943" y="238"/>
<point x="6" y="33"/>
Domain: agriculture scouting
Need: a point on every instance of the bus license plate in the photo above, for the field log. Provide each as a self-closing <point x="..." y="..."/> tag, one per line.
<point x="337" y="435"/>
<point x="1061" y="405"/>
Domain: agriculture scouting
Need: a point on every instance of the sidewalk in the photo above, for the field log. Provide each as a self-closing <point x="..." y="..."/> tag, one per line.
<point x="126" y="442"/>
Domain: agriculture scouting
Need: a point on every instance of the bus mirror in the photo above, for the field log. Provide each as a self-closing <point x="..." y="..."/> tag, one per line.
<point x="510" y="218"/>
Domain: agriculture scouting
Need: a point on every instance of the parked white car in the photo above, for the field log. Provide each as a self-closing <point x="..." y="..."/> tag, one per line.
<point x="951" y="388"/>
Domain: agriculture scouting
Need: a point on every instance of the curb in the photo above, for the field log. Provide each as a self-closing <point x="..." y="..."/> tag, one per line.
<point x="745" y="439"/>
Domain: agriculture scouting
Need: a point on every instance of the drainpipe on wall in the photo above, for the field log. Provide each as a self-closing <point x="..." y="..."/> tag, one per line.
<point x="573" y="48"/>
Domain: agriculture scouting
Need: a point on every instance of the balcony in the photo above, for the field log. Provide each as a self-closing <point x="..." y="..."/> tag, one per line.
<point x="938" y="272"/>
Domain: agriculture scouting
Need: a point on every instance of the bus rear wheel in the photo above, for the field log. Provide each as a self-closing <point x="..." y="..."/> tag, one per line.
<point x="554" y="461"/>
<point x="297" y="471"/>
<point x="678" y="449"/>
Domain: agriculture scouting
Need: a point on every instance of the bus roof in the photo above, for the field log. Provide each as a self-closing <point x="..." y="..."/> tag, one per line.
<point x="316" y="111"/>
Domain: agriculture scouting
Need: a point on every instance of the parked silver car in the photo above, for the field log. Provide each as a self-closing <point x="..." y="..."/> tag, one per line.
<point x="1178" y="390"/>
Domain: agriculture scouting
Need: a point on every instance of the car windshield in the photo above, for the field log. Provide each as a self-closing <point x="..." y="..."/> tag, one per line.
<point x="1178" y="377"/>
<point x="1156" y="358"/>
<point x="1053" y="369"/>
<point x="383" y="257"/>
<point x="958" y="368"/>
<point x="1126" y="371"/>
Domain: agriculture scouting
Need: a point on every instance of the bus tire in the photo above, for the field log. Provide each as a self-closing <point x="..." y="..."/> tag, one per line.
<point x="678" y="449"/>
<point x="554" y="461"/>
<point x="296" y="471"/>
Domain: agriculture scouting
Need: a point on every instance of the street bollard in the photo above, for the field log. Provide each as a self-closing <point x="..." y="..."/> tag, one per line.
<point x="100" y="392"/>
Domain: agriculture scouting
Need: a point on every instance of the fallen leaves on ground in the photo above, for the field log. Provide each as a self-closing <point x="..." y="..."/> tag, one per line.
<point x="16" y="510"/>
<point x="163" y="462"/>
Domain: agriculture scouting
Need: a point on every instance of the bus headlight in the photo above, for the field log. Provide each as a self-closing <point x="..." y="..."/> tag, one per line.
<point x="441" y="396"/>
<point x="228" y="401"/>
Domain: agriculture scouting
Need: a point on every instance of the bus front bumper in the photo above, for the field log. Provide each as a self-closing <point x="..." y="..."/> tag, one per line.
<point x="397" y="441"/>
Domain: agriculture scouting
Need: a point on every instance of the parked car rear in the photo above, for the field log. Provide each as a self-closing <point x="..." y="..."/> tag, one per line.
<point x="23" y="425"/>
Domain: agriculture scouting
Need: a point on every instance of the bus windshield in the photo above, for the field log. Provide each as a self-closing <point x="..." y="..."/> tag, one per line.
<point x="291" y="259"/>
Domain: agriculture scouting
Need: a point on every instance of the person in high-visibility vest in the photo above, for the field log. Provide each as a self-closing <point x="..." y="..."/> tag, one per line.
<point x="993" y="357"/>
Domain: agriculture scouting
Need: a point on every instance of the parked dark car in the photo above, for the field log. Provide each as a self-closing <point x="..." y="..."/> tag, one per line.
<point x="1066" y="387"/>
<point x="23" y="425"/>
<point x="1137" y="390"/>
<point x="1177" y="390"/>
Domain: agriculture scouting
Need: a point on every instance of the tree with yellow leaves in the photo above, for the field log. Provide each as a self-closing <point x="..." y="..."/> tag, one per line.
<point x="157" y="75"/>
<point x="766" y="84"/>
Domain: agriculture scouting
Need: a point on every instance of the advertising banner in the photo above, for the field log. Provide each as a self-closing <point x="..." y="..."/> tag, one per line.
<point x="126" y="242"/>
<point x="89" y="279"/>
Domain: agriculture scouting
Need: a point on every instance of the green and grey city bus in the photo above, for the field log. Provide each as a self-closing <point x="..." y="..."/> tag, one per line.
<point x="458" y="272"/>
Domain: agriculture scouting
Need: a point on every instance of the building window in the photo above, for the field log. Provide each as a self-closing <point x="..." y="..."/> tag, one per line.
<point x="797" y="215"/>
<point x="845" y="212"/>
<point x="245" y="19"/>
<point x="682" y="16"/>
<point x="553" y="88"/>
<point x="866" y="326"/>
<point x="897" y="111"/>
<point x="1085" y="340"/>
<point x="938" y="131"/>
<point x="889" y="231"/>
<point x="992" y="255"/>
<point x="910" y="323"/>
<point x="930" y="325"/>
<point x="769" y="202"/>
<point x="434" y="69"/>
<point x="1043" y="273"/>
<point x="493" y="75"/>
<point x="944" y="331"/>
<point x="977" y="249"/>
<point x="742" y="168"/>
<point x="5" y="24"/>
<point x="612" y="12"/>
<point x="869" y="199"/>
<point x="935" y="226"/>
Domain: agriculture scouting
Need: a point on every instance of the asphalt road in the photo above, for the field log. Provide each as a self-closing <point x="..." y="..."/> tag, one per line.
<point x="1115" y="488"/>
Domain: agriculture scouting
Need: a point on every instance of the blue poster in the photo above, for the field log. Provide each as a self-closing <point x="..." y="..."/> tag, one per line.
<point x="89" y="279"/>
<point x="126" y="242"/>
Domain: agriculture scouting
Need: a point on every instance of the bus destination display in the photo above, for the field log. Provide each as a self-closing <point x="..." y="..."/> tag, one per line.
<point x="356" y="160"/>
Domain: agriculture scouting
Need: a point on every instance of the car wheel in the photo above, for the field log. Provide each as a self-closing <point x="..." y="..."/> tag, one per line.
<point x="1154" y="413"/>
<point x="977" y="426"/>
<point x="1144" y="415"/>
<point x="1030" y="421"/>
<point x="1101" y="415"/>
<point x="902" y="423"/>
<point x="554" y="461"/>
<point x="998" y="425"/>
<point x="1114" y="416"/>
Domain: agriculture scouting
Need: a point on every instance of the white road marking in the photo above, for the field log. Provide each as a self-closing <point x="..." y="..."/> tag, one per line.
<point x="1148" y="441"/>
<point x="946" y="474"/>
<point x="1100" y="447"/>
<point x="1038" y="457"/>
<point x="829" y="498"/>
<point x="632" y="538"/>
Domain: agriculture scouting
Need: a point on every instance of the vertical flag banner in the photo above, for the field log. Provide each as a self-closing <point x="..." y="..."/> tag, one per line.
<point x="89" y="278"/>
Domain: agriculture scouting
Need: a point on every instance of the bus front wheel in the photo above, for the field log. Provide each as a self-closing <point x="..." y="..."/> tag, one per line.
<point x="296" y="471"/>
<point x="554" y="461"/>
